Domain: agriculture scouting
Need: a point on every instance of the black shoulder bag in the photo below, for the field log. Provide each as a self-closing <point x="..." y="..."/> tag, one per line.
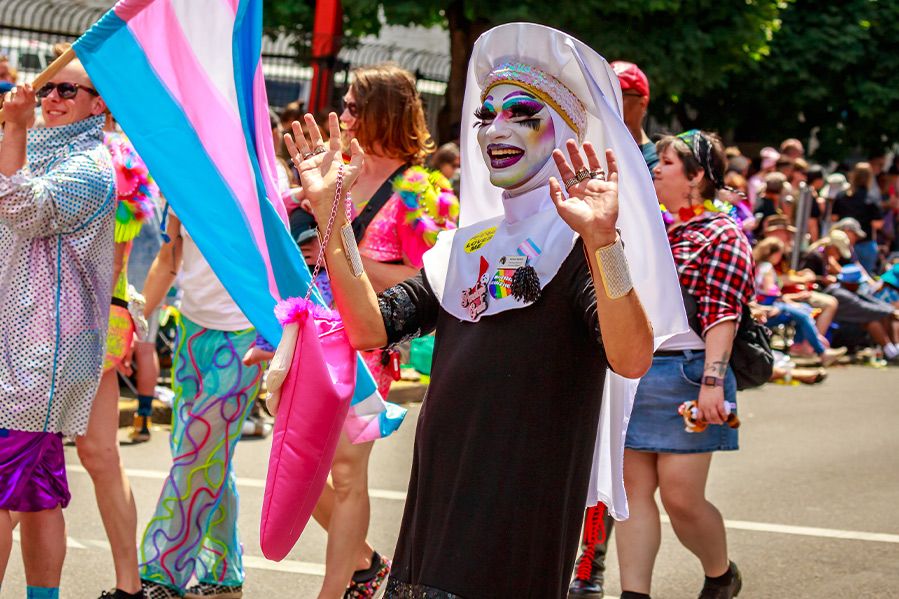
<point x="751" y="357"/>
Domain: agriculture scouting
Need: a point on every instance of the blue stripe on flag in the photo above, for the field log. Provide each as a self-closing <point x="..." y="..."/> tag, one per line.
<point x="174" y="154"/>
<point x="118" y="66"/>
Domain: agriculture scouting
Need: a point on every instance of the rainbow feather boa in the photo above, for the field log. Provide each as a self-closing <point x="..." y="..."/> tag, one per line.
<point x="136" y="191"/>
<point x="428" y="201"/>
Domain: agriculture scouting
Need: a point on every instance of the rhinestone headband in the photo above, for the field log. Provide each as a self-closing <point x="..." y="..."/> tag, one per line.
<point x="544" y="86"/>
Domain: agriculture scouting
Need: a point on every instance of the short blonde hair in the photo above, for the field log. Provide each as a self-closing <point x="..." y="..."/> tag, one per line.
<point x="390" y="116"/>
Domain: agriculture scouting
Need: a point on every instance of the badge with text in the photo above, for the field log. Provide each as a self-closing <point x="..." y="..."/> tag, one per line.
<point x="475" y="298"/>
<point x="479" y="240"/>
<point x="501" y="283"/>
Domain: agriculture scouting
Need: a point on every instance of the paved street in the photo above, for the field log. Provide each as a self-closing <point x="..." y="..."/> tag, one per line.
<point x="810" y="501"/>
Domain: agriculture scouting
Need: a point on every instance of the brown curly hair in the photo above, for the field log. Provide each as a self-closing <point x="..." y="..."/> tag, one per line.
<point x="391" y="119"/>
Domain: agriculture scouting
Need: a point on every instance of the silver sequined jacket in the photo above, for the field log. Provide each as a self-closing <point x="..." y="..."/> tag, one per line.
<point x="56" y="261"/>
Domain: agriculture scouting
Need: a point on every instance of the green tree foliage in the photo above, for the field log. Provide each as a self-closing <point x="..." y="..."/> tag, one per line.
<point x="833" y="71"/>
<point x="756" y="70"/>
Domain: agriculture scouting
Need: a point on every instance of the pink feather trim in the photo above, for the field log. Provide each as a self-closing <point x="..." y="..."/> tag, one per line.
<point x="293" y="309"/>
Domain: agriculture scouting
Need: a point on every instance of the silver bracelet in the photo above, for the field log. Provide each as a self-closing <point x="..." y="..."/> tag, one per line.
<point x="613" y="269"/>
<point x="348" y="238"/>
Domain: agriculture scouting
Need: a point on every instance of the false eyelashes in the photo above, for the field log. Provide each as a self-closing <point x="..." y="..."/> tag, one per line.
<point x="484" y="116"/>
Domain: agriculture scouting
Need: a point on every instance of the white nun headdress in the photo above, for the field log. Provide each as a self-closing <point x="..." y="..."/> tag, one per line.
<point x="587" y="77"/>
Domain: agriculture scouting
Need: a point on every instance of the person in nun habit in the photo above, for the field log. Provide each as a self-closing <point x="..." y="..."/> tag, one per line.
<point x="533" y="301"/>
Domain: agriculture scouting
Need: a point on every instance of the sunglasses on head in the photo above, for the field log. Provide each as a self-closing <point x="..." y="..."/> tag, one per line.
<point x="352" y="108"/>
<point x="66" y="90"/>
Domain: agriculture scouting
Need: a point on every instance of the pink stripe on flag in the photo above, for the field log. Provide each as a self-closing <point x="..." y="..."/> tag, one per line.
<point x="265" y="144"/>
<point x="233" y="4"/>
<point x="215" y="120"/>
<point x="126" y="9"/>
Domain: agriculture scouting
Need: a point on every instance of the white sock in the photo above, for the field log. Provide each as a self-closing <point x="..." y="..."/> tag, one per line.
<point x="890" y="350"/>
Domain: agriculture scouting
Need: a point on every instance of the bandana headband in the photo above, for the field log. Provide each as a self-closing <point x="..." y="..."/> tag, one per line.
<point x="701" y="147"/>
<point x="546" y="87"/>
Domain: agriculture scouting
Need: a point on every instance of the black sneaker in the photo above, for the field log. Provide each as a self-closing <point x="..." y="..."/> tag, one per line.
<point x="154" y="590"/>
<point x="119" y="594"/>
<point x="714" y="591"/>
<point x="222" y="591"/>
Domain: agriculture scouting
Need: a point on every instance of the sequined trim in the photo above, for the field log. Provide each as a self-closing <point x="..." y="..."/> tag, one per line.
<point x="397" y="589"/>
<point x="398" y="312"/>
<point x="543" y="85"/>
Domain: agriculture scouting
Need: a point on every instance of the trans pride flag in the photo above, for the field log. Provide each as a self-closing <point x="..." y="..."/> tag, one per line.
<point x="184" y="80"/>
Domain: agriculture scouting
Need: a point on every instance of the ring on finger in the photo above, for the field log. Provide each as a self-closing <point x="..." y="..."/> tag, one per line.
<point x="308" y="155"/>
<point x="569" y="183"/>
<point x="319" y="149"/>
<point x="598" y="174"/>
<point x="582" y="174"/>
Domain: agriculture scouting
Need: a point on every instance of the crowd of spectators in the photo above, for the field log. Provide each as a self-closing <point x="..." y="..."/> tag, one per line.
<point x="826" y="252"/>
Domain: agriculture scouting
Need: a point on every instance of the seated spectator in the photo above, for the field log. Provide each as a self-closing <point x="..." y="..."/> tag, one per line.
<point x="799" y="285"/>
<point x="770" y="202"/>
<point x="889" y="286"/>
<point x="734" y="193"/>
<point x="792" y="148"/>
<point x="835" y="185"/>
<point x="768" y="159"/>
<point x="788" y="308"/>
<point x="861" y="317"/>
<point x="855" y="234"/>
<point x="785" y="165"/>
<point x="814" y="178"/>
<point x="856" y="204"/>
<point x="825" y="257"/>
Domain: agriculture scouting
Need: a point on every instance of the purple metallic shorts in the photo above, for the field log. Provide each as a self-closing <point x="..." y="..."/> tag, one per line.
<point x="32" y="471"/>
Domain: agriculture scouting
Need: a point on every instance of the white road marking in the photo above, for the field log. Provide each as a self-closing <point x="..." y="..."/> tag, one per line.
<point x="767" y="527"/>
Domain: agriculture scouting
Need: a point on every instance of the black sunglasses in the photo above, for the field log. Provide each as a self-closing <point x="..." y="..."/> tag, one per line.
<point x="66" y="90"/>
<point x="352" y="108"/>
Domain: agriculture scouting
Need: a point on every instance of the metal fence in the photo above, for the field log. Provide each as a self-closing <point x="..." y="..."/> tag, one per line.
<point x="30" y="28"/>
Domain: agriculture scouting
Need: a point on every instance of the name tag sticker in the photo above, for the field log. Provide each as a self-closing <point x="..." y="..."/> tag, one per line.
<point x="512" y="261"/>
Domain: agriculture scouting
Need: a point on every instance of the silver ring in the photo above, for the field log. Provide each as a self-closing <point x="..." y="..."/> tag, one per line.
<point x="319" y="149"/>
<point x="571" y="182"/>
<point x="308" y="155"/>
<point x="598" y="174"/>
<point x="583" y="174"/>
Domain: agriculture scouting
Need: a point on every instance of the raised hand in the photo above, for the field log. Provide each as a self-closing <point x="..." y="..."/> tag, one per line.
<point x="319" y="163"/>
<point x="591" y="208"/>
<point x="18" y="106"/>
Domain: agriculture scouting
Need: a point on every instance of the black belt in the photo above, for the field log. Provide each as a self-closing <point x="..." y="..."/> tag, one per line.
<point x="117" y="301"/>
<point x="673" y="353"/>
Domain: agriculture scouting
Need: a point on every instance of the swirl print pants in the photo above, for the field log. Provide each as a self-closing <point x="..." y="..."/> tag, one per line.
<point x="194" y="529"/>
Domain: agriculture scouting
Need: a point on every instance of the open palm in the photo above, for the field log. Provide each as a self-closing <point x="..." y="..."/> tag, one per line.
<point x="320" y="163"/>
<point x="591" y="208"/>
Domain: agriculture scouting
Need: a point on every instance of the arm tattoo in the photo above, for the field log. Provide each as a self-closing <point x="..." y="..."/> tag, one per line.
<point x="719" y="367"/>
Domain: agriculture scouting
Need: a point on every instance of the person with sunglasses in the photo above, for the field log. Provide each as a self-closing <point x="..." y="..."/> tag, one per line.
<point x="57" y="214"/>
<point x="399" y="207"/>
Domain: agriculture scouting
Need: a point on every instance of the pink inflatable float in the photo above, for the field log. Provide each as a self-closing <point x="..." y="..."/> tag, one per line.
<point x="311" y="381"/>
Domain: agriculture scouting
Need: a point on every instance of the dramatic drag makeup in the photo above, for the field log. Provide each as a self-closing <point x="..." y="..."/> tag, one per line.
<point x="516" y="134"/>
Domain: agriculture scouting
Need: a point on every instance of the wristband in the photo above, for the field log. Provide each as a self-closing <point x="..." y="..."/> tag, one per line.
<point x="351" y="249"/>
<point x="613" y="269"/>
<point x="712" y="381"/>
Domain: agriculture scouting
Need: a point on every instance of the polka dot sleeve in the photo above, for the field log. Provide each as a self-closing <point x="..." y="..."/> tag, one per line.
<point x="62" y="200"/>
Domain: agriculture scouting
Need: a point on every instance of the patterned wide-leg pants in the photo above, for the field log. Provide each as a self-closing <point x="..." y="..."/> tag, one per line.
<point x="194" y="529"/>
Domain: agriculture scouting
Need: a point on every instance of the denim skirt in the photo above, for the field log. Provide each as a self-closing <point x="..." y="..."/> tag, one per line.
<point x="655" y="424"/>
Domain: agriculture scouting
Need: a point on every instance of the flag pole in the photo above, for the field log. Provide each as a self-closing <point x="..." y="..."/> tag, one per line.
<point x="48" y="73"/>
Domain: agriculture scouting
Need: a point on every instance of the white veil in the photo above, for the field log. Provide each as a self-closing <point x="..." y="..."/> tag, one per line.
<point x="594" y="82"/>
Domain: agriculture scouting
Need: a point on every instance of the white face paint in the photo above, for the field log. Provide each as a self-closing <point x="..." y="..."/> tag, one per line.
<point x="516" y="135"/>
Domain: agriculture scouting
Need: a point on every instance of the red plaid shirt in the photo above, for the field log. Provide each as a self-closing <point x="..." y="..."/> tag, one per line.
<point x="714" y="262"/>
